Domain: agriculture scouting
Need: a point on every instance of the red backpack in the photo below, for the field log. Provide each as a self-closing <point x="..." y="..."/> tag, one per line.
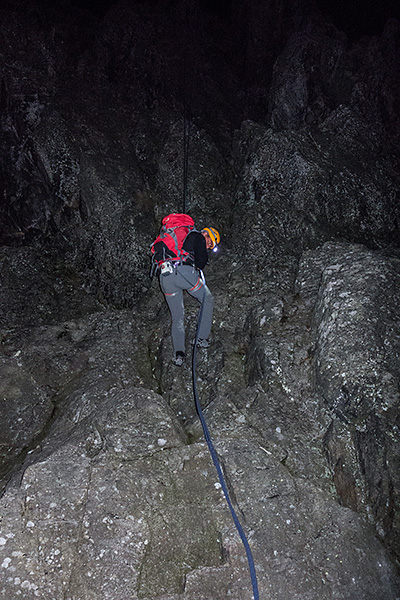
<point x="175" y="228"/>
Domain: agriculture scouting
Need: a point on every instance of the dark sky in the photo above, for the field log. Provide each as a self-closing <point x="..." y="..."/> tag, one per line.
<point x="355" y="17"/>
<point x="360" y="17"/>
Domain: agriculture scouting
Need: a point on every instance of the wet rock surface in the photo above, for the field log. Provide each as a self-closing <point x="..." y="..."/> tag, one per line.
<point x="108" y="491"/>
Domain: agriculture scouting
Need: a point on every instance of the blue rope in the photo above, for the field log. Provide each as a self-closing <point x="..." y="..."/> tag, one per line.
<point x="218" y="466"/>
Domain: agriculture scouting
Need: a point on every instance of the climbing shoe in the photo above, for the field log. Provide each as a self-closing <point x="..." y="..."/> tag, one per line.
<point x="179" y="359"/>
<point x="202" y="343"/>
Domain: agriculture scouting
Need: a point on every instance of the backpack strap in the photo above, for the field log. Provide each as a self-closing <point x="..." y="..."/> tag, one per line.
<point x="171" y="231"/>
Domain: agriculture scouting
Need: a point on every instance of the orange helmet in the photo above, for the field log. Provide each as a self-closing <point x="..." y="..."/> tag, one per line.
<point x="214" y="235"/>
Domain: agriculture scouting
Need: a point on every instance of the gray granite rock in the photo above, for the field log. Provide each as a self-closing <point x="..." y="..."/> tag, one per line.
<point x="357" y="375"/>
<point x="118" y="496"/>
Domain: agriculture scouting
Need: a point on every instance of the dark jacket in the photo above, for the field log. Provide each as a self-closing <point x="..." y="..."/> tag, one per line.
<point x="194" y="244"/>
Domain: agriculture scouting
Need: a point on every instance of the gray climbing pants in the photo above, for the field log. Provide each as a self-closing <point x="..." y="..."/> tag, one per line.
<point x="173" y="284"/>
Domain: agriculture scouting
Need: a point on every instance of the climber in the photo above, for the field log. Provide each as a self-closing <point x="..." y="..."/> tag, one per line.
<point x="180" y="254"/>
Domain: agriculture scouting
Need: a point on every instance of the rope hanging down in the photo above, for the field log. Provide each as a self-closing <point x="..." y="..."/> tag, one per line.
<point x="188" y="72"/>
<point x="187" y="97"/>
<point x="186" y="132"/>
<point x="219" y="469"/>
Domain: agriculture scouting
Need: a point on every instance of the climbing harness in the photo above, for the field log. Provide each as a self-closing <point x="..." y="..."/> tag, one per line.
<point x="218" y="466"/>
<point x="197" y="285"/>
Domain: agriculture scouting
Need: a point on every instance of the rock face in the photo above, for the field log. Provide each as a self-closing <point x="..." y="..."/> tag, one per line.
<point x="119" y="497"/>
<point x="108" y="491"/>
<point x="357" y="349"/>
